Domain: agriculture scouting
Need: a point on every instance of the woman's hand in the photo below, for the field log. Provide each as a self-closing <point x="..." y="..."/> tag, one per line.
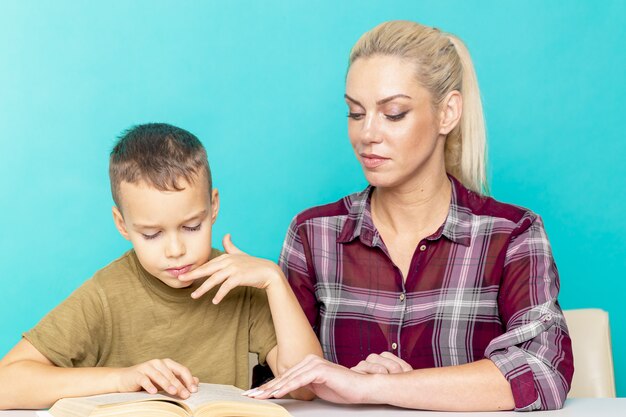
<point x="166" y="374"/>
<point x="327" y="380"/>
<point x="232" y="269"/>
<point x="385" y="363"/>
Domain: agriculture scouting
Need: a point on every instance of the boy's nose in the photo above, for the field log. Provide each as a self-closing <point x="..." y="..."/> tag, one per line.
<point x="175" y="248"/>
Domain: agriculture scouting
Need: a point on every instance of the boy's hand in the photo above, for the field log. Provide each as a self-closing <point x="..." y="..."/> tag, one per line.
<point x="232" y="269"/>
<point x="170" y="376"/>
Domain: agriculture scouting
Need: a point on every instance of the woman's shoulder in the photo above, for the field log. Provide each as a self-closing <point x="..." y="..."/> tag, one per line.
<point x="337" y="209"/>
<point x="504" y="214"/>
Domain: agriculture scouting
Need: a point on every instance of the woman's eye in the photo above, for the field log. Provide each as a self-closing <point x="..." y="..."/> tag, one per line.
<point x="192" y="228"/>
<point x="152" y="236"/>
<point x="355" y="116"/>
<point x="396" y="117"/>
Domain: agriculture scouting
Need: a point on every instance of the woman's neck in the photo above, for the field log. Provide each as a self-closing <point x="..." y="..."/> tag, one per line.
<point x="418" y="208"/>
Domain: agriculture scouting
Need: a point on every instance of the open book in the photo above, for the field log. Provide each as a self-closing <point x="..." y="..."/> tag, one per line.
<point x="211" y="400"/>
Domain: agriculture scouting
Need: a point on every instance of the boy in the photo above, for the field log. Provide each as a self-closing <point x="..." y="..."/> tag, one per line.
<point x="134" y="324"/>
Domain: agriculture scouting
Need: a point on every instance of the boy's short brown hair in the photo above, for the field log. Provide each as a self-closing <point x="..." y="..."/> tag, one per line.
<point x="158" y="154"/>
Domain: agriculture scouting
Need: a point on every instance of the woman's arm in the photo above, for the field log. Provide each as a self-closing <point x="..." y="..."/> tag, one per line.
<point x="477" y="386"/>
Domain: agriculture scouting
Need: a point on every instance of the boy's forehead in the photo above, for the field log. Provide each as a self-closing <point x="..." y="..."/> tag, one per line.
<point x="144" y="200"/>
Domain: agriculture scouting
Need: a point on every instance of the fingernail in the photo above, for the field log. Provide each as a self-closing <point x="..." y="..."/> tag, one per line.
<point x="171" y="389"/>
<point x="274" y="392"/>
<point x="194" y="388"/>
<point x="194" y="295"/>
<point x="249" y="391"/>
<point x="255" y="393"/>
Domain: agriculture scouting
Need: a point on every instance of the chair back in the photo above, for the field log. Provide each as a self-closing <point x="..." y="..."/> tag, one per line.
<point x="593" y="357"/>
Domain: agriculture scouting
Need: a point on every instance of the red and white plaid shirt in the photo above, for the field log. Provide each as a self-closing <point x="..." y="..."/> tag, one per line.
<point x="485" y="285"/>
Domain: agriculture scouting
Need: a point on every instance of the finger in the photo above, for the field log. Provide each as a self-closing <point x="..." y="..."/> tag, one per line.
<point x="174" y="386"/>
<point x="303" y="378"/>
<point x="296" y="368"/>
<point x="308" y="363"/>
<point x="389" y="364"/>
<point x="196" y="380"/>
<point x="229" y="246"/>
<point x="145" y="383"/>
<point x="182" y="373"/>
<point x="365" y="367"/>
<point x="216" y="279"/>
<point x="205" y="270"/>
<point x="403" y="364"/>
<point x="225" y="288"/>
<point x="157" y="378"/>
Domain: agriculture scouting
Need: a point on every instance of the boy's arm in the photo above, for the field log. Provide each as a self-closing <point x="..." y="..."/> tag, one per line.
<point x="30" y="381"/>
<point x="294" y="335"/>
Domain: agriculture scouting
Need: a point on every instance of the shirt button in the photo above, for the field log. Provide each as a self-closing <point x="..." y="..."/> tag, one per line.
<point x="394" y="346"/>
<point x="423" y="248"/>
<point x="402" y="297"/>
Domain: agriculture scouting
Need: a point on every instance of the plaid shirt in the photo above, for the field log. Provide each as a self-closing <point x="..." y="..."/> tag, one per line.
<point x="483" y="286"/>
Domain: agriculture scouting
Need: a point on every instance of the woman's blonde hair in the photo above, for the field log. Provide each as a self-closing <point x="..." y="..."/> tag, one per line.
<point x="443" y="65"/>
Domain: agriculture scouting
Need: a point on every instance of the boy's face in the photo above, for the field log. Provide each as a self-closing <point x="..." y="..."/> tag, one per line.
<point x="170" y="230"/>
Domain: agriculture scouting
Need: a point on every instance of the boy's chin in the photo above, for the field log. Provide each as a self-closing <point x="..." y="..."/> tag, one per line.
<point x="176" y="283"/>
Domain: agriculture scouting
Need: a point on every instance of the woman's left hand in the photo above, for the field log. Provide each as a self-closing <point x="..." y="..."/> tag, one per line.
<point x="385" y="363"/>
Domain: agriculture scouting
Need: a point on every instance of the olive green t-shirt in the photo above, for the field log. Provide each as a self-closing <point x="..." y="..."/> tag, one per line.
<point x="124" y="316"/>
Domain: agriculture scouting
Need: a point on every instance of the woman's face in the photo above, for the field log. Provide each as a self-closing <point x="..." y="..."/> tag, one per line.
<point x="392" y="126"/>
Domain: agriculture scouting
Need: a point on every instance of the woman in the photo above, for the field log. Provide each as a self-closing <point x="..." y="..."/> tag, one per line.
<point x="424" y="292"/>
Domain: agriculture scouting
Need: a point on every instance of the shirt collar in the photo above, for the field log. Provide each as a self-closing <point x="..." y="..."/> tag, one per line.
<point x="457" y="226"/>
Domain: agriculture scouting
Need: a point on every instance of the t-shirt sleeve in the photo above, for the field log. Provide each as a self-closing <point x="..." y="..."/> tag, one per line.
<point x="261" y="327"/>
<point x="535" y="352"/>
<point x="72" y="335"/>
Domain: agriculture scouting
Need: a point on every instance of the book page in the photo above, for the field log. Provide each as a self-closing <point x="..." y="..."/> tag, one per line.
<point x="214" y="392"/>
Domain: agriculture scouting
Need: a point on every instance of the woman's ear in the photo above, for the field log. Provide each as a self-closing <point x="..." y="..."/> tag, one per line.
<point x="451" y="110"/>
<point x="119" y="223"/>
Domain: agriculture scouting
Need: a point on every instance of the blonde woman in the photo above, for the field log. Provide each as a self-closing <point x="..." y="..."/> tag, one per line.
<point x="425" y="293"/>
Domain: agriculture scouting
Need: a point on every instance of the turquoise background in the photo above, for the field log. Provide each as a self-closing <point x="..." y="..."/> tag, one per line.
<point x="261" y="84"/>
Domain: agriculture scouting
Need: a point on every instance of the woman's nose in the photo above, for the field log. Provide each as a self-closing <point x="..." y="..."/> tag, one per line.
<point x="370" y="129"/>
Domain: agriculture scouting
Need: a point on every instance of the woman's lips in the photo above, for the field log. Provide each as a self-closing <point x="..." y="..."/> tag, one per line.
<point x="372" y="161"/>
<point x="179" y="271"/>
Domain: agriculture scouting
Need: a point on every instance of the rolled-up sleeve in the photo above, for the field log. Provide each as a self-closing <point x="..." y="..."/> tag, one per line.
<point x="535" y="352"/>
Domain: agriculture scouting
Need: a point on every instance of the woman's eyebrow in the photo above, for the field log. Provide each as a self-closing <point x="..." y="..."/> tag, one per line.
<point x="388" y="99"/>
<point x="379" y="102"/>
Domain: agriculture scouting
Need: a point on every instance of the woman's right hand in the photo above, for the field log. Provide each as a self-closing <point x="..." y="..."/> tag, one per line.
<point x="164" y="374"/>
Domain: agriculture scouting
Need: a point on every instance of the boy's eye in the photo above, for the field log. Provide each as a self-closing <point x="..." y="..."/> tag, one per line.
<point x="355" y="116"/>
<point x="192" y="228"/>
<point x="152" y="236"/>
<point x="396" y="117"/>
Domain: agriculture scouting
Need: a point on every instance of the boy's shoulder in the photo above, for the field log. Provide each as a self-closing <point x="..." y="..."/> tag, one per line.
<point x="121" y="273"/>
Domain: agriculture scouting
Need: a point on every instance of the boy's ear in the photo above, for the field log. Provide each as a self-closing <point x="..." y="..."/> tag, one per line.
<point x="450" y="112"/>
<point x="119" y="223"/>
<point x="215" y="205"/>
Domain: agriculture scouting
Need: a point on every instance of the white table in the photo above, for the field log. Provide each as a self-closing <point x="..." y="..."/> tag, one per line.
<point x="574" y="407"/>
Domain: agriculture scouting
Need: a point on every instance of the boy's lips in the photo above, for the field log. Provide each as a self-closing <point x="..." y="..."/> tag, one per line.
<point x="179" y="270"/>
